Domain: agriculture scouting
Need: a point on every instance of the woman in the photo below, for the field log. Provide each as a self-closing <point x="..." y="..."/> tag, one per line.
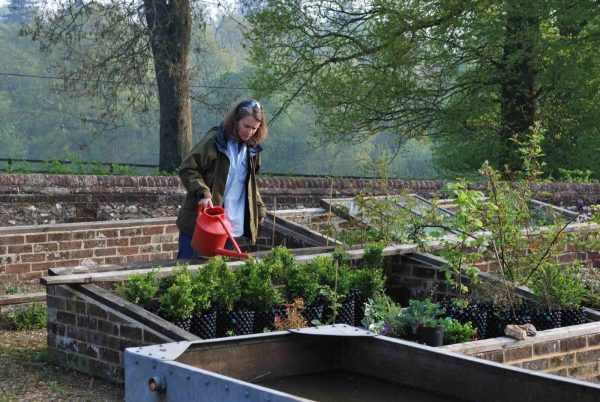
<point x="221" y="170"/>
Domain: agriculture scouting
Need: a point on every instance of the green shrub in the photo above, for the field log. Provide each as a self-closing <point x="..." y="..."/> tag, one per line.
<point x="420" y="313"/>
<point x="203" y="285"/>
<point x="139" y="289"/>
<point x="557" y="287"/>
<point x="177" y="302"/>
<point x="226" y="291"/>
<point x="33" y="317"/>
<point x="368" y="281"/>
<point x="255" y="280"/>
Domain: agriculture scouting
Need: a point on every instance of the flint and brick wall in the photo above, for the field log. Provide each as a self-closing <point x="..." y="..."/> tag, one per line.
<point x="570" y="352"/>
<point x="92" y="198"/>
<point x="27" y="252"/>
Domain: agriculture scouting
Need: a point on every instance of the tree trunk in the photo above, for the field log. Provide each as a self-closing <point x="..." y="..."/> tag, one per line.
<point x="170" y="25"/>
<point x="518" y="99"/>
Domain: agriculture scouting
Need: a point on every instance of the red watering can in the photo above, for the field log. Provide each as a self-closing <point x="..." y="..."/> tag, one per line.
<point x="211" y="232"/>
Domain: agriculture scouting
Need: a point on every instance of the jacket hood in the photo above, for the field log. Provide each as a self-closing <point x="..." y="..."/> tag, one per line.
<point x="221" y="143"/>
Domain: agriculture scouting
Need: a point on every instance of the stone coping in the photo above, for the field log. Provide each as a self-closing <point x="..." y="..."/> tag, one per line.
<point x="487" y="345"/>
<point x="64" y="227"/>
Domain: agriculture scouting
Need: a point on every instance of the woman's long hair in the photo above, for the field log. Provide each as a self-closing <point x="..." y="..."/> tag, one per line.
<point x="247" y="107"/>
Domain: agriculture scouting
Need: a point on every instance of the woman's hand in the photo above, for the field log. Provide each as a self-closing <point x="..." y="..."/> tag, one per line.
<point x="205" y="203"/>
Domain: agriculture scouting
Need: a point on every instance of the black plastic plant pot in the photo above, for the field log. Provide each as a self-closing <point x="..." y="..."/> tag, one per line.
<point x="431" y="336"/>
<point x="347" y="313"/>
<point x="205" y="324"/>
<point x="184" y="323"/>
<point x="240" y="322"/>
<point x="475" y="313"/>
<point x="499" y="318"/>
<point x="546" y="319"/>
<point x="264" y="320"/>
<point x="313" y="313"/>
<point x="574" y="316"/>
<point x="152" y="306"/>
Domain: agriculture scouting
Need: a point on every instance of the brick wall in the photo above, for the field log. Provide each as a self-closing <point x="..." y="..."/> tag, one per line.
<point x="418" y="275"/>
<point x="27" y="252"/>
<point x="90" y="335"/>
<point x="571" y="352"/>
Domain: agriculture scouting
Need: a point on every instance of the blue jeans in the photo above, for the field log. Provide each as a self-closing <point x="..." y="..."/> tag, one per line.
<point x="185" y="247"/>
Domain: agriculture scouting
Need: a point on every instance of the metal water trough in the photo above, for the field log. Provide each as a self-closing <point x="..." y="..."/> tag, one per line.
<point x="331" y="363"/>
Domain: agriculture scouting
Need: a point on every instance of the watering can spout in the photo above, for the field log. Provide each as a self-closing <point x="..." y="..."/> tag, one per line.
<point x="211" y="232"/>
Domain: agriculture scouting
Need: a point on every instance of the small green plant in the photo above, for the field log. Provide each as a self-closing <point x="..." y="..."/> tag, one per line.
<point x="56" y="167"/>
<point x="255" y="280"/>
<point x="140" y="289"/>
<point x="279" y="260"/>
<point x="455" y="332"/>
<point x="12" y="290"/>
<point x="33" y="317"/>
<point x="19" y="167"/>
<point x="203" y="285"/>
<point x="226" y="291"/>
<point x="300" y="281"/>
<point x="177" y="302"/>
<point x="421" y="313"/>
<point x="382" y="315"/>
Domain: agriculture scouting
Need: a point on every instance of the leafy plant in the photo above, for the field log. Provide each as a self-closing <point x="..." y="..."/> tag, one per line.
<point x="300" y="281"/>
<point x="138" y="288"/>
<point x="557" y="287"/>
<point x="382" y="315"/>
<point x="255" y="280"/>
<point x="56" y="167"/>
<point x="456" y="332"/>
<point x="279" y="260"/>
<point x="293" y="317"/>
<point x="203" y="285"/>
<point x="226" y="291"/>
<point x="33" y="317"/>
<point x="575" y="176"/>
<point x="177" y="302"/>
<point x="368" y="281"/>
<point x="421" y="313"/>
<point x="12" y="290"/>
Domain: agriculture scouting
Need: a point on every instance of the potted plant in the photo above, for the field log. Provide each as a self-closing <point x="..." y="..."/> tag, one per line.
<point x="560" y="293"/>
<point x="368" y="281"/>
<point x="204" y="318"/>
<point x="382" y="316"/>
<point x="302" y="282"/>
<point x="225" y="296"/>
<point x="258" y="293"/>
<point x="140" y="289"/>
<point x="177" y="302"/>
<point x="422" y="317"/>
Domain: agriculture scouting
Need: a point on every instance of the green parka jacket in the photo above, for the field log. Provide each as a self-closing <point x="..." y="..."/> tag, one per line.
<point x="204" y="174"/>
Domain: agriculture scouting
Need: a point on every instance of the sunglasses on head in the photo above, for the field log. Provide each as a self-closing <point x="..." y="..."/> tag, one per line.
<point x="249" y="103"/>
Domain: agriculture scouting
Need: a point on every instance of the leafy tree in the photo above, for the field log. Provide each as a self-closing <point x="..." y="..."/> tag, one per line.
<point x="112" y="49"/>
<point x="478" y="71"/>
